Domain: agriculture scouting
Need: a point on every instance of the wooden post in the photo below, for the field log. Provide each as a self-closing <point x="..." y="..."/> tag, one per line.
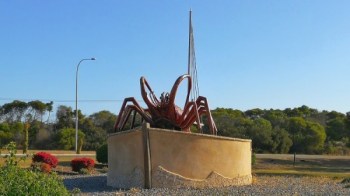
<point x="147" y="156"/>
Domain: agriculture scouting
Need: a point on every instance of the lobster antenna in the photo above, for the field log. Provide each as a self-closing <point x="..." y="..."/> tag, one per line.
<point x="192" y="67"/>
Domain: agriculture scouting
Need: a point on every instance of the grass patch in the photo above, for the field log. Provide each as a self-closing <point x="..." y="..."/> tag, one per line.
<point x="301" y="173"/>
<point x="303" y="167"/>
<point x="59" y="152"/>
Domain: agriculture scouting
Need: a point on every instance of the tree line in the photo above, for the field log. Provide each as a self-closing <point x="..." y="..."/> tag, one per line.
<point x="27" y="125"/>
<point x="301" y="129"/>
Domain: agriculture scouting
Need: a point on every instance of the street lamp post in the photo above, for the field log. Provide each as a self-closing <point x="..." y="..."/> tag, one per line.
<point x="76" y="103"/>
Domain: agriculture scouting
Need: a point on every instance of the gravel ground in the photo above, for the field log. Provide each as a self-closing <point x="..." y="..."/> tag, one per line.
<point x="262" y="185"/>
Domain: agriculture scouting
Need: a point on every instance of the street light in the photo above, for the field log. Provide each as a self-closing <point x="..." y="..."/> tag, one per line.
<point x="76" y="103"/>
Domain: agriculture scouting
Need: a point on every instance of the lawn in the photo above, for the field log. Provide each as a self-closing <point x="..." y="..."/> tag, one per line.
<point x="307" y="165"/>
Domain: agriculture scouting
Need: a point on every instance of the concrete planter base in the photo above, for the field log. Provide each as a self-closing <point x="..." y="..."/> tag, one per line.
<point x="156" y="158"/>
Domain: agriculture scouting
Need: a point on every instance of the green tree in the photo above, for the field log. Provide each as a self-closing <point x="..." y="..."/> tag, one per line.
<point x="64" y="116"/>
<point x="104" y="119"/>
<point x="37" y="110"/>
<point x="334" y="114"/>
<point x="5" y="134"/>
<point x="309" y="137"/>
<point x="319" y="117"/>
<point x="17" y="129"/>
<point x="227" y="112"/>
<point x="281" y="141"/>
<point x="49" y="108"/>
<point x="14" y="111"/>
<point x="292" y="112"/>
<point x="261" y="134"/>
<point x="229" y="122"/>
<point x="26" y="138"/>
<point x="94" y="136"/>
<point x="34" y="128"/>
<point x="336" y="129"/>
<point x="19" y="112"/>
<point x="315" y="137"/>
<point x="254" y="113"/>
<point x="66" y="138"/>
<point x="277" y="118"/>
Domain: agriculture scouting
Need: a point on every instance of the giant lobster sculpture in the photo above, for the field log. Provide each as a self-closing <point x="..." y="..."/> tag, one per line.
<point x="163" y="113"/>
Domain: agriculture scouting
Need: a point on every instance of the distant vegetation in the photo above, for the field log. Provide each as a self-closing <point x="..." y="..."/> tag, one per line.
<point x="18" y="118"/>
<point x="272" y="131"/>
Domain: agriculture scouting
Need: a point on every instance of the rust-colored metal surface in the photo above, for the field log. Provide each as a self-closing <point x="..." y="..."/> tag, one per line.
<point x="163" y="113"/>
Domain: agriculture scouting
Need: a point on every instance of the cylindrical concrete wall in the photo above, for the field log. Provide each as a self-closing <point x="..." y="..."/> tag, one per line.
<point x="178" y="159"/>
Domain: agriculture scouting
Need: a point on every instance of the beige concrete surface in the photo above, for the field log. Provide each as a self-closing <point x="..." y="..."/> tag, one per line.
<point x="196" y="155"/>
<point x="125" y="159"/>
<point x="191" y="159"/>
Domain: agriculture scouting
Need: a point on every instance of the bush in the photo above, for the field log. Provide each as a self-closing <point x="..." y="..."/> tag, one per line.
<point x="84" y="171"/>
<point x="17" y="181"/>
<point x="45" y="158"/>
<point x="253" y="158"/>
<point x="82" y="163"/>
<point x="102" y="154"/>
<point x="10" y="158"/>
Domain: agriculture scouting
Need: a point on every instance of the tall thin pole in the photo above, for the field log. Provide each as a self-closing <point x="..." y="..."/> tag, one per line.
<point x="76" y="104"/>
<point x="189" y="43"/>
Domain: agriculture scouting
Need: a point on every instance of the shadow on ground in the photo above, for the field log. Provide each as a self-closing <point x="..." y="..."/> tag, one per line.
<point x="88" y="184"/>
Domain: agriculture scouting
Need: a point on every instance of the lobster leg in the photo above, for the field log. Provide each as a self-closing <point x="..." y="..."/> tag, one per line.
<point x="189" y="115"/>
<point x="202" y="101"/>
<point x="125" y="111"/>
<point x="128" y="110"/>
<point x="192" y="117"/>
<point x="193" y="112"/>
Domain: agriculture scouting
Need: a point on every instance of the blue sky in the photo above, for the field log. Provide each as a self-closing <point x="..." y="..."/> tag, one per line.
<point x="250" y="54"/>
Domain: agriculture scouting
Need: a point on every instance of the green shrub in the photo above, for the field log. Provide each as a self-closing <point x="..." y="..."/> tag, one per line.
<point x="84" y="171"/>
<point x="102" y="154"/>
<point x="17" y="181"/>
<point x="11" y="159"/>
<point x="253" y="158"/>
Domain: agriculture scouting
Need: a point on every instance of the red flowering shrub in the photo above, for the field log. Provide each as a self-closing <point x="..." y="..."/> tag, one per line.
<point x="82" y="163"/>
<point x="45" y="158"/>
